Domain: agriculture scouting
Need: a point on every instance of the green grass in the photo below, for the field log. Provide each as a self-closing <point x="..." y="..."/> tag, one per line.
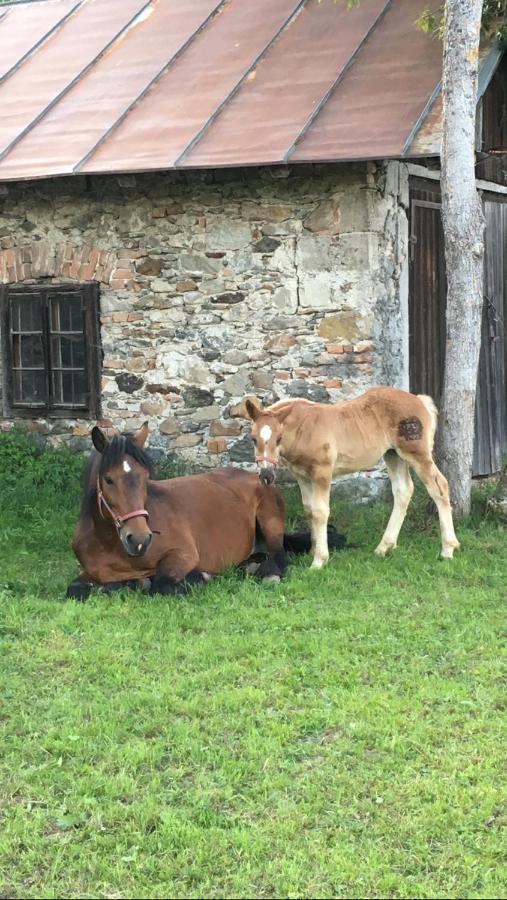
<point x="340" y="735"/>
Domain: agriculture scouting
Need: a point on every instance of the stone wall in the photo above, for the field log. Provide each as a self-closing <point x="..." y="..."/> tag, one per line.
<point x="278" y="282"/>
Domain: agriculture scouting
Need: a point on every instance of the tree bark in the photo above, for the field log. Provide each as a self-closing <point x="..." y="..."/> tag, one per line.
<point x="463" y="221"/>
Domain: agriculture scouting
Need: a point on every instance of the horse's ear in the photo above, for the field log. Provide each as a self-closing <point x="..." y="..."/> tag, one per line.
<point x="100" y="441"/>
<point x="282" y="415"/>
<point x="253" y="408"/>
<point x="141" y="435"/>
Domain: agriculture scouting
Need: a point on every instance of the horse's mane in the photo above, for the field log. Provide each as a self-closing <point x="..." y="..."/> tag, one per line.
<point x="119" y="446"/>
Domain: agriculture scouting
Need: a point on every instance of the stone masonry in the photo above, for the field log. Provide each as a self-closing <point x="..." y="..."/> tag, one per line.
<point x="278" y="282"/>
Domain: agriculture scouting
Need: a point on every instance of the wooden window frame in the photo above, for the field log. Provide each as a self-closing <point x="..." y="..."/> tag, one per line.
<point x="89" y="295"/>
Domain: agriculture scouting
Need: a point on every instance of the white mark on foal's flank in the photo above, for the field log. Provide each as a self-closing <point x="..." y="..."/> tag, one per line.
<point x="265" y="433"/>
<point x="126" y="467"/>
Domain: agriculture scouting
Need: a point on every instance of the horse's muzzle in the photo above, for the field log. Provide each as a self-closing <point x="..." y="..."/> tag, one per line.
<point x="267" y="475"/>
<point x="136" y="544"/>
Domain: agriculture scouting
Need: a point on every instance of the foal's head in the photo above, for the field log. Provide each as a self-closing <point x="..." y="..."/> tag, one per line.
<point x="121" y="485"/>
<point x="267" y="433"/>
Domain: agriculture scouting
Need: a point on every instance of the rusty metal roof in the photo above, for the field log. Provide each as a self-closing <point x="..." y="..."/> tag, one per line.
<point x="135" y="85"/>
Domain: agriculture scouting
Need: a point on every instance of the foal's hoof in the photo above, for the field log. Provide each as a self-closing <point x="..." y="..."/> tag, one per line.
<point x="384" y="549"/>
<point x="319" y="562"/>
<point x="447" y="552"/>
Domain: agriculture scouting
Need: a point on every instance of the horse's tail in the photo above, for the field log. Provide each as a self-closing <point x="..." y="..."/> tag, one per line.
<point x="431" y="408"/>
<point x="301" y="541"/>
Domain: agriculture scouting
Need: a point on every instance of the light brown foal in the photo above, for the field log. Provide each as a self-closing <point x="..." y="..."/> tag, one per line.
<point x="317" y="441"/>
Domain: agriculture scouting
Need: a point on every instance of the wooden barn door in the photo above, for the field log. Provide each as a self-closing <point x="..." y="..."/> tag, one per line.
<point x="491" y="405"/>
<point x="427" y="301"/>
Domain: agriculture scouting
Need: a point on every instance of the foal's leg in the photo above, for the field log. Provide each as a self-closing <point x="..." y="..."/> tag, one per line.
<point x="271" y="519"/>
<point x="305" y="486"/>
<point x="403" y="489"/>
<point x="438" y="489"/>
<point x="319" y="505"/>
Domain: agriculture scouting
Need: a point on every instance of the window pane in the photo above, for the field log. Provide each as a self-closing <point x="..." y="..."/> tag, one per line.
<point x="68" y="351"/>
<point x="66" y="313"/>
<point x="27" y="351"/>
<point x="69" y="388"/>
<point x="30" y="388"/>
<point x="26" y="313"/>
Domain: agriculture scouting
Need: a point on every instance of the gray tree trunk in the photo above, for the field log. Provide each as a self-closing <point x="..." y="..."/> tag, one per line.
<point x="463" y="222"/>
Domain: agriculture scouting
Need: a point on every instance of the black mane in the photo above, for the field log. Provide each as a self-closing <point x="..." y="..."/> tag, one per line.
<point x="119" y="446"/>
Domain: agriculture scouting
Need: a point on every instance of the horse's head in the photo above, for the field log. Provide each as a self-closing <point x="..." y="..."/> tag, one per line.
<point x="121" y="484"/>
<point x="267" y="433"/>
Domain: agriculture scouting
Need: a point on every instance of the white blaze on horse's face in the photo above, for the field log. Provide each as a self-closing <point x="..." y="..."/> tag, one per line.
<point x="126" y="467"/>
<point x="266" y="433"/>
<point x="267" y="439"/>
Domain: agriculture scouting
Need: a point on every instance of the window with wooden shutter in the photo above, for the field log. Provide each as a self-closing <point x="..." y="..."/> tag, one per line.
<point x="51" y="350"/>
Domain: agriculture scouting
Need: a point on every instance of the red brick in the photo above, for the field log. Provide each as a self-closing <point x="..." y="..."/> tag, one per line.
<point x="120" y="317"/>
<point x="281" y="375"/>
<point x="332" y="382"/>
<point x="335" y="348"/>
<point x="158" y="212"/>
<point x="302" y="373"/>
<point x="113" y="364"/>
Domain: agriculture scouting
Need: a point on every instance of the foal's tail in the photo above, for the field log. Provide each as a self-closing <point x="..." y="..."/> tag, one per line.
<point x="431" y="407"/>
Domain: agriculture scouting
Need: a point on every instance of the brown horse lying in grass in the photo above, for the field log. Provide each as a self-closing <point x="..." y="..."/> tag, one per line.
<point x="164" y="536"/>
<point x="318" y="441"/>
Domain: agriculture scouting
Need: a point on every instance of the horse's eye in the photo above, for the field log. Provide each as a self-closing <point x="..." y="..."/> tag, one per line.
<point x="279" y="440"/>
<point x="108" y="480"/>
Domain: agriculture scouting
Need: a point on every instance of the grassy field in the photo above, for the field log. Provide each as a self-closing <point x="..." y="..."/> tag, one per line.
<point x="339" y="735"/>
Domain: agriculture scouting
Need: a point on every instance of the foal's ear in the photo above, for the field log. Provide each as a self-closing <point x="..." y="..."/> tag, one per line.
<point x="253" y="408"/>
<point x="100" y="441"/>
<point x="141" y="435"/>
<point x="282" y="415"/>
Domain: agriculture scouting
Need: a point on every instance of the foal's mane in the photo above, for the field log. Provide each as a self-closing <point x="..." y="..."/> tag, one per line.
<point x="119" y="446"/>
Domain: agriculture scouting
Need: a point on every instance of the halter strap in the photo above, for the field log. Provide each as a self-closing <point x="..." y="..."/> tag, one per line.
<point x="119" y="521"/>
<point x="266" y="459"/>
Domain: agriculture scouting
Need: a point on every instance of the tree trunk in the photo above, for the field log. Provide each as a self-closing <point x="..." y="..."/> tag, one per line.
<point x="463" y="221"/>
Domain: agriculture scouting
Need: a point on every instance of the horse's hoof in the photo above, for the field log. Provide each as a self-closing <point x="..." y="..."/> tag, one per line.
<point x="79" y="590"/>
<point x="271" y="579"/>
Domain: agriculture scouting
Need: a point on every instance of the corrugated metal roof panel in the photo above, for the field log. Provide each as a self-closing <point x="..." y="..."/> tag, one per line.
<point x="129" y="85"/>
<point x="178" y="106"/>
<point x="100" y="98"/>
<point x="49" y="72"/>
<point x="24" y="27"/>
<point x="288" y="82"/>
<point x="381" y="95"/>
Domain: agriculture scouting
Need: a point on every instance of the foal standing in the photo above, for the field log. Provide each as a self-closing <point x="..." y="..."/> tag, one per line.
<point x="318" y="440"/>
